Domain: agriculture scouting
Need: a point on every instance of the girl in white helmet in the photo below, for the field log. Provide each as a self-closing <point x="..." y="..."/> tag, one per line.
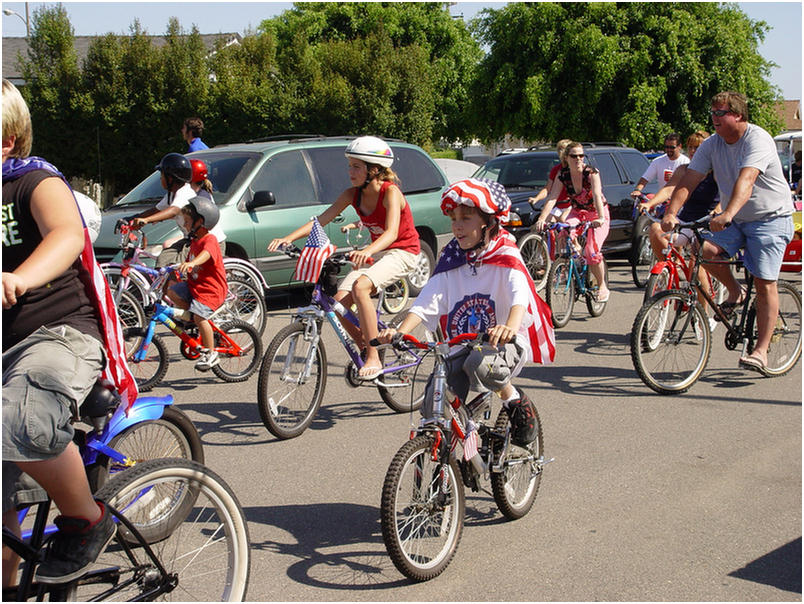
<point x="382" y="208"/>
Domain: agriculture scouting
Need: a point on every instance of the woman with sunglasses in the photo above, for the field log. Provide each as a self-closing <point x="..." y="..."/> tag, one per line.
<point x="583" y="187"/>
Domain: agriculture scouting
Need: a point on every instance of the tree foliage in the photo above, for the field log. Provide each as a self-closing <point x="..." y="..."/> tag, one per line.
<point x="604" y="71"/>
<point x="624" y="71"/>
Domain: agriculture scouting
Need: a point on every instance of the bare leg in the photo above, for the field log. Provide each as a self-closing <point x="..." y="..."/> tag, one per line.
<point x="767" y="303"/>
<point x="361" y="292"/>
<point x="658" y="240"/>
<point x="11" y="560"/>
<point x="205" y="331"/>
<point x="721" y="272"/>
<point x="345" y="298"/>
<point x="600" y="275"/>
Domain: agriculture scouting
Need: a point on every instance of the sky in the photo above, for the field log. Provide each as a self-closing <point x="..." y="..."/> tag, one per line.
<point x="782" y="44"/>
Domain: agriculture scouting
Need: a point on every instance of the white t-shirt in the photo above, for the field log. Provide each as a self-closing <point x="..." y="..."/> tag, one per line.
<point x="770" y="195"/>
<point x="661" y="169"/>
<point x="180" y="199"/>
<point x="461" y="302"/>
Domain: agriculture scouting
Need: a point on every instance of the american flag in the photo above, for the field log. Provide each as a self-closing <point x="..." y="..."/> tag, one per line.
<point x="470" y="442"/>
<point x="502" y="251"/>
<point x="489" y="194"/>
<point x="315" y="252"/>
<point x="116" y="370"/>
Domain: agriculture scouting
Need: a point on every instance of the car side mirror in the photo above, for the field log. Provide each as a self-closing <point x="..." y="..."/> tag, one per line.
<point x="260" y="200"/>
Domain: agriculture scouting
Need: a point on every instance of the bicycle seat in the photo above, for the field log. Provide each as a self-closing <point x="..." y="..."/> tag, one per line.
<point x="99" y="402"/>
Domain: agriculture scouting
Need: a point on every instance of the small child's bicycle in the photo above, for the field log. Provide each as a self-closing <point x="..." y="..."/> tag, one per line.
<point x="293" y="375"/>
<point x="422" y="506"/>
<point x="570" y="278"/>
<point x="237" y="343"/>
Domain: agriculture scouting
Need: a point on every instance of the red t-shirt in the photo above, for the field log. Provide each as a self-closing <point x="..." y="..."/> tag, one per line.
<point x="563" y="199"/>
<point x="207" y="282"/>
<point x="407" y="237"/>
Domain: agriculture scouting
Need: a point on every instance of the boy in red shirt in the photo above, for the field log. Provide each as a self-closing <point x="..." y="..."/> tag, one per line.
<point x="205" y="288"/>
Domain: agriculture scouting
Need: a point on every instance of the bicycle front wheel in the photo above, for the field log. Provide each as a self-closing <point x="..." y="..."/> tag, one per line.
<point x="594" y="307"/>
<point x="657" y="282"/>
<point x="537" y="258"/>
<point x="784" y="349"/>
<point x="403" y="390"/>
<point x="131" y="315"/>
<point x="206" y="553"/>
<point x="516" y="487"/>
<point x="422" y="510"/>
<point x="245" y="303"/>
<point x="237" y="367"/>
<point x="172" y="435"/>
<point x="149" y="371"/>
<point x="670" y="342"/>
<point x="642" y="260"/>
<point x="560" y="292"/>
<point x="288" y="395"/>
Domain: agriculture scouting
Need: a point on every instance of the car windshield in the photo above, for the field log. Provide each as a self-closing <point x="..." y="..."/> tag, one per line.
<point x="519" y="171"/>
<point x="226" y="171"/>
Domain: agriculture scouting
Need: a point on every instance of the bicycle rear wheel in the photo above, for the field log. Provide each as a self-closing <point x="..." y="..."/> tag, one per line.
<point x="516" y="487"/>
<point x="594" y="307"/>
<point x="785" y="345"/>
<point x="288" y="398"/>
<point x="245" y="303"/>
<point x="152" y="369"/>
<point x="396" y="296"/>
<point x="422" y="510"/>
<point x="560" y="292"/>
<point x="172" y="435"/>
<point x="677" y="331"/>
<point x="414" y="379"/>
<point x="131" y="315"/>
<point x="537" y="258"/>
<point x="205" y="552"/>
<point x="237" y="367"/>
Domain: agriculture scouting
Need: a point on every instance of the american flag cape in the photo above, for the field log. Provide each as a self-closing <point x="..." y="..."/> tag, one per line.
<point x="502" y="251"/>
<point x="116" y="370"/>
<point x="315" y="252"/>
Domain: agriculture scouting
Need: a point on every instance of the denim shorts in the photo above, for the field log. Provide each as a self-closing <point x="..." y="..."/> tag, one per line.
<point x="45" y="377"/>
<point x="763" y="242"/>
<point x="182" y="290"/>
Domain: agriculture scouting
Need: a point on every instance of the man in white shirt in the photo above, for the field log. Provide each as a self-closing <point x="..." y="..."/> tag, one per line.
<point x="661" y="169"/>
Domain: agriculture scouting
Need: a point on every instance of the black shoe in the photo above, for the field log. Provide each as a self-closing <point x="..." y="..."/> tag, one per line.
<point x="522" y="413"/>
<point x="73" y="549"/>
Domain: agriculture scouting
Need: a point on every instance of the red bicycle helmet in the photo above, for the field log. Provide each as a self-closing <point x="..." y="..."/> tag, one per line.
<point x="200" y="172"/>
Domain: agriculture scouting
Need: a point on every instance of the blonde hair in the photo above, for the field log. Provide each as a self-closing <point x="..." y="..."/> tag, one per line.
<point x="16" y="121"/>
<point x="560" y="148"/>
<point x="384" y="174"/>
<point x="570" y="145"/>
<point x="735" y="101"/>
<point x="696" y="138"/>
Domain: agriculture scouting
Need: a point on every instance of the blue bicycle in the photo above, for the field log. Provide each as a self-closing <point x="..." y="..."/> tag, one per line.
<point x="570" y="278"/>
<point x="293" y="374"/>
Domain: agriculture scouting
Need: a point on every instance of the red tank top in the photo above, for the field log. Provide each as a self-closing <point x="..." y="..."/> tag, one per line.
<point x="407" y="238"/>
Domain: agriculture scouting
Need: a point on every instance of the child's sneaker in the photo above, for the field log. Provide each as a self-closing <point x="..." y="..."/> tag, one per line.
<point x="522" y="413"/>
<point x="209" y="358"/>
<point x="76" y="545"/>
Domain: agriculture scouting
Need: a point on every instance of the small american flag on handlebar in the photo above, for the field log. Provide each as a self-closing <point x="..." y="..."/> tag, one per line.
<point x="315" y="252"/>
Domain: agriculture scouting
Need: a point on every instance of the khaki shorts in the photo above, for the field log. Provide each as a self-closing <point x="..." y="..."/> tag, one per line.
<point x="392" y="266"/>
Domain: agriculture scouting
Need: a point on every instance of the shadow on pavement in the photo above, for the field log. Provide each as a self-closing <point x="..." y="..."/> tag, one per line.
<point x="780" y="568"/>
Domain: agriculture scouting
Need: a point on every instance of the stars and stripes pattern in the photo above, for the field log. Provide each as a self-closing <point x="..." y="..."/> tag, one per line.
<point x="116" y="370"/>
<point x="502" y="251"/>
<point x="470" y="442"/>
<point x="315" y="252"/>
<point x="487" y="195"/>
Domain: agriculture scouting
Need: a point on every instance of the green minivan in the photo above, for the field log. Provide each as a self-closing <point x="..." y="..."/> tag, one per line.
<point x="265" y="189"/>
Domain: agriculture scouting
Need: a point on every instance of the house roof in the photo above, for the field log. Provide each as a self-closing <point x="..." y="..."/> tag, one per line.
<point x="790" y="114"/>
<point x="14" y="46"/>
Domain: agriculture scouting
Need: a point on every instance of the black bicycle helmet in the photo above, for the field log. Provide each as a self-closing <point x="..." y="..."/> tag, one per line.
<point x="175" y="165"/>
<point x="206" y="209"/>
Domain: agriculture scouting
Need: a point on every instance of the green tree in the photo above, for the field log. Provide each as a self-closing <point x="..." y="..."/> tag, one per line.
<point x="605" y="71"/>
<point x="430" y="55"/>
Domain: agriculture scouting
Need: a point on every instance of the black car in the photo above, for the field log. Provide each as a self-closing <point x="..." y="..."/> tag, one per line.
<point x="524" y="175"/>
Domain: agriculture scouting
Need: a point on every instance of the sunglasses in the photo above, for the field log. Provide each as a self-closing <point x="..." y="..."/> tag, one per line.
<point x="670" y="146"/>
<point x="720" y="112"/>
<point x="577" y="155"/>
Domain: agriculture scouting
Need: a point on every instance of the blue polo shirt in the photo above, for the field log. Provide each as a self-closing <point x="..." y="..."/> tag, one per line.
<point x="197" y="145"/>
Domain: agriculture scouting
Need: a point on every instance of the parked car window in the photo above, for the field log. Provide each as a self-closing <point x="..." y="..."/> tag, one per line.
<point x="416" y="170"/>
<point x="519" y="171"/>
<point x="329" y="164"/>
<point x="635" y="165"/>
<point x="609" y="175"/>
<point x="287" y="176"/>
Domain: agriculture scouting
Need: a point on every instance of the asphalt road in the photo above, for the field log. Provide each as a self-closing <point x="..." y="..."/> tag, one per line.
<point x="694" y="497"/>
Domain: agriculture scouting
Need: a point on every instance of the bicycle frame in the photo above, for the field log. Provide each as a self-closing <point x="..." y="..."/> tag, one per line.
<point x="165" y="314"/>
<point x="579" y="275"/>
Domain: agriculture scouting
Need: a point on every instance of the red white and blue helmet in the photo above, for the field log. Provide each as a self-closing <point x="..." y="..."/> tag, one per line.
<point x="488" y="196"/>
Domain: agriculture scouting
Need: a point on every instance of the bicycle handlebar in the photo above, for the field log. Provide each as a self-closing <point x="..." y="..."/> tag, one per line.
<point x="399" y="339"/>
<point x="339" y="258"/>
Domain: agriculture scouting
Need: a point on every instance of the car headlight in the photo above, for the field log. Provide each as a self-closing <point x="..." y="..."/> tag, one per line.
<point x="514" y="220"/>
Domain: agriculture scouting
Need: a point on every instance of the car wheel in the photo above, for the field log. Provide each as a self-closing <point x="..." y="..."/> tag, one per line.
<point x="424" y="268"/>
